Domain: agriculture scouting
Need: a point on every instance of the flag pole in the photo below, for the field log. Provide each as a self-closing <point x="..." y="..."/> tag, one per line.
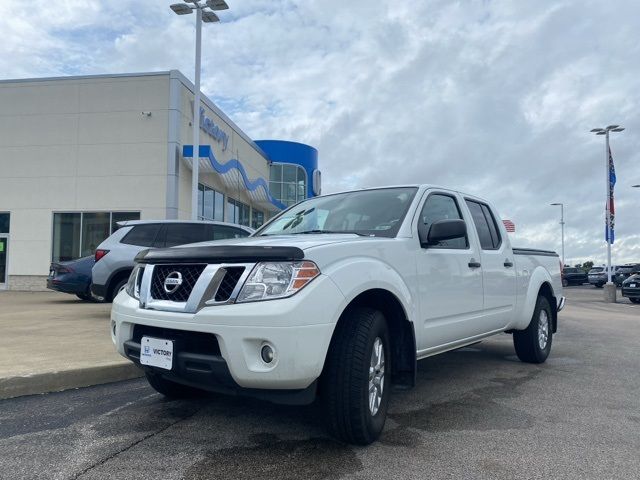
<point x="608" y="207"/>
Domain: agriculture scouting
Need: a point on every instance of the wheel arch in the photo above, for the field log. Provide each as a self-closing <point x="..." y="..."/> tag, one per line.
<point x="114" y="278"/>
<point x="401" y="332"/>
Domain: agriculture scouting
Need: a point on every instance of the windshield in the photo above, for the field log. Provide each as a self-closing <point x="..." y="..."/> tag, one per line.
<point x="596" y="270"/>
<point x="366" y="212"/>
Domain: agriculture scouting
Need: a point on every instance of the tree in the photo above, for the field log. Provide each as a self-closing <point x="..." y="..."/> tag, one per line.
<point x="586" y="266"/>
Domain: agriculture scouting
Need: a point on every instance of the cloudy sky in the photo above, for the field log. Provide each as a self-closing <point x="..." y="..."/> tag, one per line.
<point x="495" y="98"/>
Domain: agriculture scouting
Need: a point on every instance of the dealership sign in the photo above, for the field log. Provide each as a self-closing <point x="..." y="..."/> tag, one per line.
<point x="207" y="125"/>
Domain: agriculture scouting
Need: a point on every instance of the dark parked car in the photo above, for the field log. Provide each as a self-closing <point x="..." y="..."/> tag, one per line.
<point x="574" y="276"/>
<point x="72" y="277"/>
<point x="625" y="271"/>
<point x="631" y="288"/>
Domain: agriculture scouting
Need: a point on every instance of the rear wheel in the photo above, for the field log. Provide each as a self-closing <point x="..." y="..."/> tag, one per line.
<point x="635" y="300"/>
<point x="565" y="282"/>
<point x="171" y="389"/>
<point x="534" y="344"/>
<point x="356" y="380"/>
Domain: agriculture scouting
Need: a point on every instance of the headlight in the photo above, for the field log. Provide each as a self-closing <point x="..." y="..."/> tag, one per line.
<point x="135" y="280"/>
<point x="270" y="280"/>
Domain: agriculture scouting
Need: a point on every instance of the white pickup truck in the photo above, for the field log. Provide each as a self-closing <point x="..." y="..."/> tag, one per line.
<point x="338" y="296"/>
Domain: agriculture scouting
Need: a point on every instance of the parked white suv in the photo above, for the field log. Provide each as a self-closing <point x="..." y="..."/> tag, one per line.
<point x="341" y="295"/>
<point x="114" y="258"/>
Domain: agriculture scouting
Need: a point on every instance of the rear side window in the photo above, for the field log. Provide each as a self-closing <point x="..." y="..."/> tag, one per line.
<point x="570" y="270"/>
<point x="184" y="233"/>
<point x="442" y="207"/>
<point x="142" y="235"/>
<point x="486" y="225"/>
<point x="221" y="232"/>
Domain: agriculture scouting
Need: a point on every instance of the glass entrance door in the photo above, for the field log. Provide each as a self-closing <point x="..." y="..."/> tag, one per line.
<point x="4" y="243"/>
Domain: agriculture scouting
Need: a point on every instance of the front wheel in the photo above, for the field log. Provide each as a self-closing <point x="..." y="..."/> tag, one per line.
<point x="356" y="380"/>
<point x="565" y="282"/>
<point x="533" y="345"/>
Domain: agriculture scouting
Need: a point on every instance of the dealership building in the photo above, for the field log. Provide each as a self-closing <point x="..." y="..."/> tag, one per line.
<point x="79" y="154"/>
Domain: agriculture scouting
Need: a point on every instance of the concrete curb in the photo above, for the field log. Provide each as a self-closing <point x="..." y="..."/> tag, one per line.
<point x="11" y="387"/>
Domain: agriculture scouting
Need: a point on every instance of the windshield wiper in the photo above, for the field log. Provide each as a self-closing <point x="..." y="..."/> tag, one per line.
<point x="306" y="232"/>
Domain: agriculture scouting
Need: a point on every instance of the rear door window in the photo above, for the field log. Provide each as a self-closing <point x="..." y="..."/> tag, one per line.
<point x="486" y="226"/>
<point x="185" y="233"/>
<point x="142" y="235"/>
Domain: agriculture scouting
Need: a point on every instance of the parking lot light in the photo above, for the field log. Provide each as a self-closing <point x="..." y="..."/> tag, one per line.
<point x="204" y="14"/>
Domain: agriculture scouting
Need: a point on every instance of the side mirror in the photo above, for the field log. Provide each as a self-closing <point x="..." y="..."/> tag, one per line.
<point x="441" y="230"/>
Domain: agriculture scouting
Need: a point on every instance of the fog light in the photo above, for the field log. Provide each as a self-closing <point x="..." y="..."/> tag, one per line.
<point x="267" y="354"/>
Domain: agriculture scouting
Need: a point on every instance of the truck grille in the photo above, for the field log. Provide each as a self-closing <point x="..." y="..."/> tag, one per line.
<point x="188" y="274"/>
<point x="229" y="282"/>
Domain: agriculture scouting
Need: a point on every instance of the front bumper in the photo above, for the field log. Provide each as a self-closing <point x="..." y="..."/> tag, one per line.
<point x="631" y="292"/>
<point x="597" y="280"/>
<point x="298" y="328"/>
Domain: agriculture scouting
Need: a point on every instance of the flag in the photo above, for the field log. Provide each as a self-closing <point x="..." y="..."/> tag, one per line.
<point x="509" y="225"/>
<point x="609" y="234"/>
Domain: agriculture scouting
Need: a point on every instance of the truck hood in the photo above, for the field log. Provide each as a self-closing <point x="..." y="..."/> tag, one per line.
<point x="304" y="242"/>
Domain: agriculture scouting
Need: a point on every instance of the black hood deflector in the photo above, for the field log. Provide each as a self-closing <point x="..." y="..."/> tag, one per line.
<point x="219" y="254"/>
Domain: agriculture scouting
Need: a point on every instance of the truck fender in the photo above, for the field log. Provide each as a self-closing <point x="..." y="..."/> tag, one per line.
<point x="370" y="282"/>
<point x="537" y="279"/>
<point x="360" y="274"/>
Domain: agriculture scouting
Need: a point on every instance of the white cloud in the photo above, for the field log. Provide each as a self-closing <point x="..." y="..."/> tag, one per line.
<point x="492" y="97"/>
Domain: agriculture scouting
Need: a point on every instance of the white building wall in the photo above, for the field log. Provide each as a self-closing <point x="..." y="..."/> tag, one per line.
<point x="82" y="144"/>
<point x="78" y="144"/>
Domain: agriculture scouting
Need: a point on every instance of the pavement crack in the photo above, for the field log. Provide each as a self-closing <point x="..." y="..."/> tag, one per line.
<point x="130" y="446"/>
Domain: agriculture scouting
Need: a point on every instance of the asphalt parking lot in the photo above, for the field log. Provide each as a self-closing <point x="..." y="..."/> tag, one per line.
<point x="476" y="413"/>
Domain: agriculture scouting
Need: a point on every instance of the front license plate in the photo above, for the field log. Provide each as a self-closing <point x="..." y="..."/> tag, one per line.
<point x="632" y="285"/>
<point x="156" y="352"/>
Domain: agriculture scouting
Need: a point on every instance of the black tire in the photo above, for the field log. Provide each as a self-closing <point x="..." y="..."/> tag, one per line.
<point x="171" y="389"/>
<point x="565" y="282"/>
<point x="345" y="383"/>
<point x="599" y="285"/>
<point x="635" y="300"/>
<point x="526" y="342"/>
<point x="86" y="297"/>
<point x="117" y="286"/>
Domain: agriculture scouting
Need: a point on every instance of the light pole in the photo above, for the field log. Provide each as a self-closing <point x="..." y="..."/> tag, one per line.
<point x="203" y="14"/>
<point x="561" y="225"/>
<point x="610" y="291"/>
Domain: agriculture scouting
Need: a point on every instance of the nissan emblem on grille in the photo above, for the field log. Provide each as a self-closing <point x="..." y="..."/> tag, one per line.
<point x="172" y="282"/>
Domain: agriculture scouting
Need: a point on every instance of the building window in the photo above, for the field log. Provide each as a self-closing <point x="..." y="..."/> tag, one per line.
<point x="237" y="212"/>
<point x="4" y="222"/>
<point x="210" y="203"/>
<point x="78" y="234"/>
<point x="257" y="219"/>
<point x="288" y="183"/>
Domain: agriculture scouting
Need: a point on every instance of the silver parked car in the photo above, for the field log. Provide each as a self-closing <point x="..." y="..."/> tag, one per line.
<point x="114" y="258"/>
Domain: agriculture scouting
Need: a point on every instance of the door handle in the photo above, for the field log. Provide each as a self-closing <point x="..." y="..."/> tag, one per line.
<point x="508" y="264"/>
<point x="474" y="264"/>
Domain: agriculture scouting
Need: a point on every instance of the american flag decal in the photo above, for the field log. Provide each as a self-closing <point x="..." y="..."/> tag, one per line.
<point x="509" y="225"/>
